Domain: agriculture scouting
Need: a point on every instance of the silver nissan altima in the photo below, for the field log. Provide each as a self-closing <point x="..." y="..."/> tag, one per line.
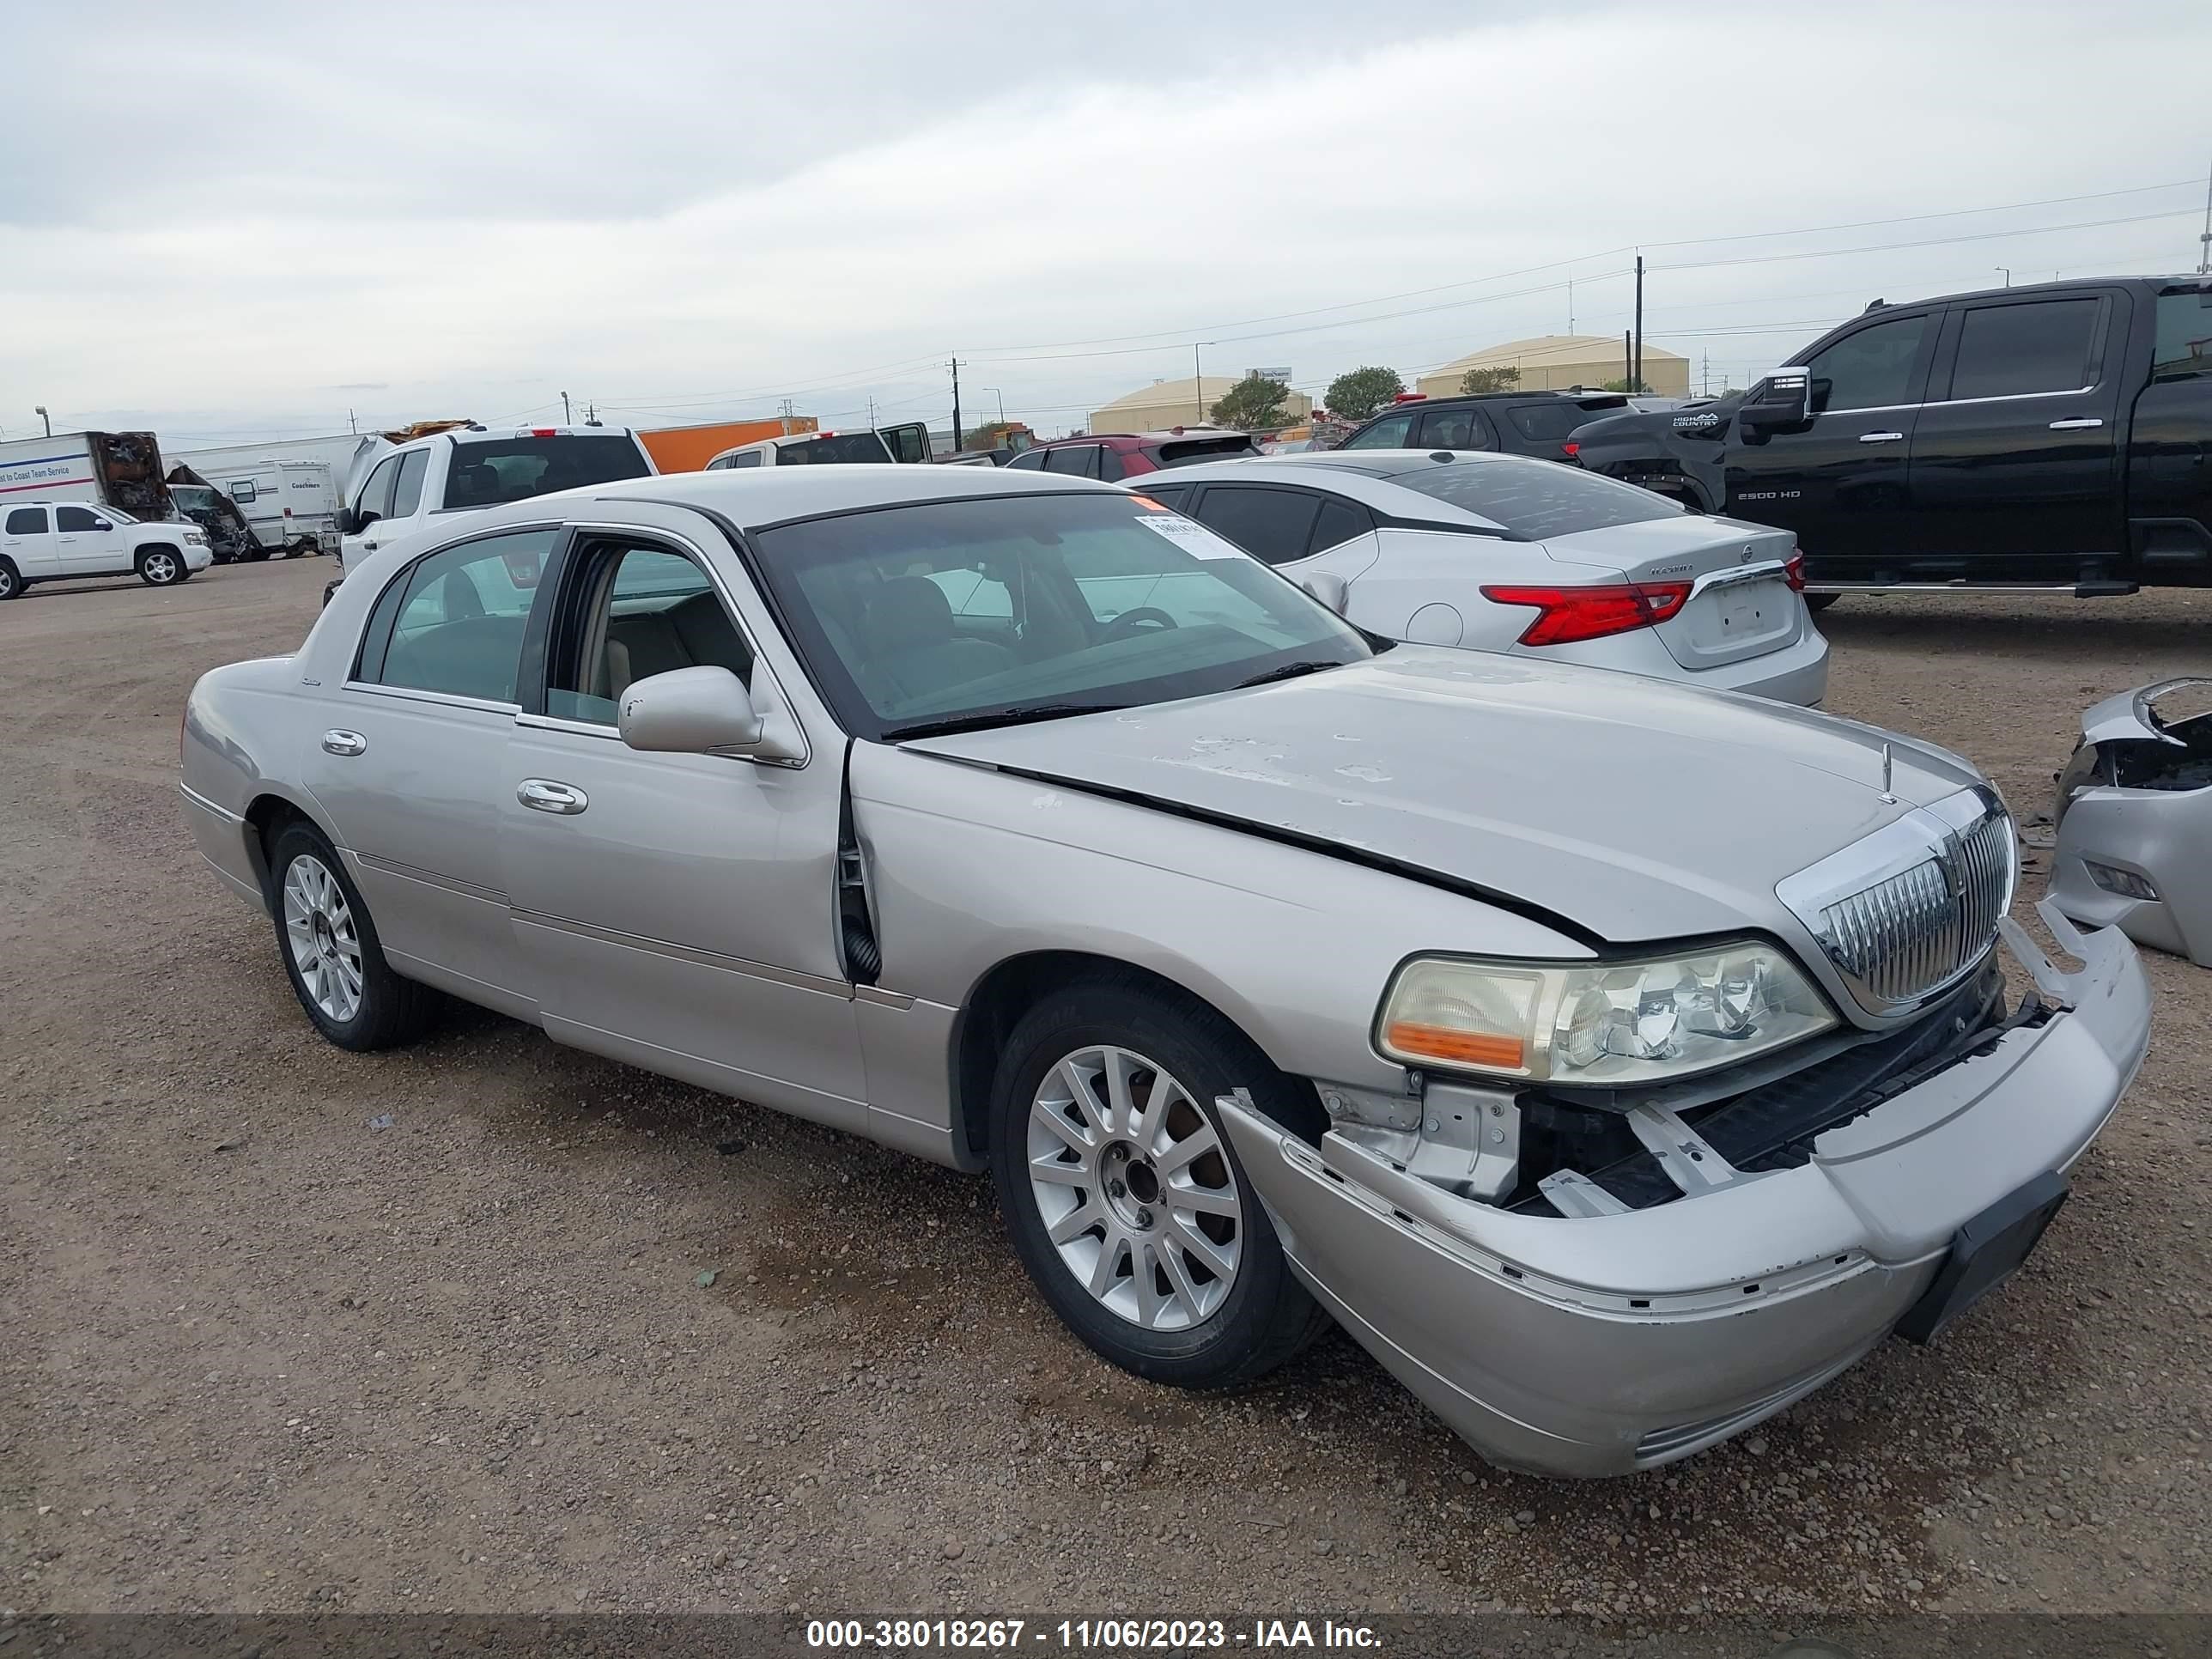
<point x="1617" y="1062"/>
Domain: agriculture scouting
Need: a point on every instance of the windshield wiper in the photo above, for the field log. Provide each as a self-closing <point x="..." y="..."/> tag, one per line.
<point x="991" y="717"/>
<point x="1289" y="671"/>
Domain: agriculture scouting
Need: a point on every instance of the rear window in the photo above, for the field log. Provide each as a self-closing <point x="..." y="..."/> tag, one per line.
<point x="1547" y="424"/>
<point x="833" y="450"/>
<point x="1537" y="499"/>
<point x="1182" y="452"/>
<point x="503" y="470"/>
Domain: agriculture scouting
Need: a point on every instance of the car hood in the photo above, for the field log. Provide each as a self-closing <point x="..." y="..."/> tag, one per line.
<point x="1631" y="808"/>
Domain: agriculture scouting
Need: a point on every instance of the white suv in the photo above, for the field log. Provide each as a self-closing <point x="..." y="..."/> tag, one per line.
<point x="49" y="541"/>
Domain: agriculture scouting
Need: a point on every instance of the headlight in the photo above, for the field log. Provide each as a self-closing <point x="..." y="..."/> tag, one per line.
<point x="193" y="538"/>
<point x="1601" y="1025"/>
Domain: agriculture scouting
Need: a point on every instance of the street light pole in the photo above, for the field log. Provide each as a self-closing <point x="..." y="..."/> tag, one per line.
<point x="1001" y="397"/>
<point x="2007" y="270"/>
<point x="1198" y="379"/>
<point x="40" y="410"/>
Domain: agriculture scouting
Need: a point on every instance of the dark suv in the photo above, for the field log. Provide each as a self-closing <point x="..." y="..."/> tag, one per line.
<point x="1116" y="455"/>
<point x="1539" y="423"/>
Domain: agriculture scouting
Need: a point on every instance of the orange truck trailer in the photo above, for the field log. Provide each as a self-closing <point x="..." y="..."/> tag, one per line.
<point x="688" y="448"/>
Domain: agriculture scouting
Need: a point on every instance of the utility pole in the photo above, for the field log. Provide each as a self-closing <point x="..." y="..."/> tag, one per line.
<point x="1636" y="373"/>
<point x="352" y="425"/>
<point x="1571" y="305"/>
<point x="564" y="409"/>
<point x="1628" y="358"/>
<point x="956" y="405"/>
<point x="1197" y="382"/>
<point x="1705" y="380"/>
<point x="871" y="414"/>
<point x="2205" y="242"/>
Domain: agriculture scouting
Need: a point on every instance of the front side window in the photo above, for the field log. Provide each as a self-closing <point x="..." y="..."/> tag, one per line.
<point x="67" y="519"/>
<point x="634" y="611"/>
<point x="376" y="494"/>
<point x="1080" y="461"/>
<point x="1873" y="368"/>
<point x="2185" y="336"/>
<point x="1391" y="432"/>
<point x="982" y="611"/>
<point x="26" y="521"/>
<point x="407" y="492"/>
<point x="1535" y="499"/>
<point x="1029" y="460"/>
<point x="2010" y="351"/>
<point x="1273" y="525"/>
<point x="458" y="622"/>
<point x="501" y="470"/>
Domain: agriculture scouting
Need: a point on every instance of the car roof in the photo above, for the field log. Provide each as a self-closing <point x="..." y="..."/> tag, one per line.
<point x="1170" y="436"/>
<point x="752" y="498"/>
<point x="1535" y="395"/>
<point x="1369" y="477"/>
<point x="2028" y="290"/>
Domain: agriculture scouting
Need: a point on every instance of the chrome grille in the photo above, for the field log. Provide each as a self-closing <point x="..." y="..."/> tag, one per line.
<point x="1943" y="878"/>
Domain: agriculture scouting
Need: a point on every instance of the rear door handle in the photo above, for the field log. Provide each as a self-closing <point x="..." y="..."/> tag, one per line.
<point x="343" y="743"/>
<point x="1881" y="437"/>
<point x="544" y="795"/>
<point x="2079" y="424"/>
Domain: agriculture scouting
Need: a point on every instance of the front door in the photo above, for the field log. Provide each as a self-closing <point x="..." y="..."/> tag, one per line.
<point x="675" y="911"/>
<point x="2016" y="451"/>
<point x="26" y="541"/>
<point x="406" y="757"/>
<point x="1839" y="480"/>
<point x="88" y="542"/>
<point x="375" y="502"/>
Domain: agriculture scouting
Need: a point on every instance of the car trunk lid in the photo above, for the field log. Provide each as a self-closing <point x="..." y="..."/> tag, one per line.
<point x="1739" y="604"/>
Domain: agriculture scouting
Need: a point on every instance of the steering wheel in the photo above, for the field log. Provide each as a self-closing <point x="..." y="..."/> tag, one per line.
<point x="1129" y="619"/>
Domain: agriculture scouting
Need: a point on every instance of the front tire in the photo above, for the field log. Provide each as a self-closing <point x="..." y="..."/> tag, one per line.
<point x="331" y="953"/>
<point x="11" y="581"/>
<point x="161" y="566"/>
<point x="1126" y="1202"/>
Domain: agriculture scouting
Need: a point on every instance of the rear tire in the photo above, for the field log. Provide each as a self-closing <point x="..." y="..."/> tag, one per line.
<point x="11" y="581"/>
<point x="1178" y="1275"/>
<point x="331" y="953"/>
<point x="1820" y="601"/>
<point x="161" y="567"/>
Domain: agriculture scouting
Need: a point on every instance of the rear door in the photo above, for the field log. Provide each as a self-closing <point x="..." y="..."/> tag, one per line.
<point x="26" y="540"/>
<point x="909" y="442"/>
<point x="1839" y="480"/>
<point x="1273" y="525"/>
<point x="2016" y="451"/>
<point x="1463" y="428"/>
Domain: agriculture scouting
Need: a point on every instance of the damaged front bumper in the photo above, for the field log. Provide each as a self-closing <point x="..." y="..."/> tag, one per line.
<point x="2135" y="822"/>
<point x="1602" y="1343"/>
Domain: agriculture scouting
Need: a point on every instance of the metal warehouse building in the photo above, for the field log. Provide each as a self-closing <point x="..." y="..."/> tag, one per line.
<point x="1553" y="362"/>
<point x="1167" y="403"/>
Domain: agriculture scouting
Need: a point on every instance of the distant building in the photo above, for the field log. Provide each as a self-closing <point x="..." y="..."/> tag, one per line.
<point x="1165" y="404"/>
<point x="1553" y="362"/>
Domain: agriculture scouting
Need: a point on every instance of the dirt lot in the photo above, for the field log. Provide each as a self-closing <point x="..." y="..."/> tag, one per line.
<point x="257" y="1354"/>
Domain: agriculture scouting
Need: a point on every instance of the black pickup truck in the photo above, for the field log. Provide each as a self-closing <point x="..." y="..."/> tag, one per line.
<point x="2055" y="437"/>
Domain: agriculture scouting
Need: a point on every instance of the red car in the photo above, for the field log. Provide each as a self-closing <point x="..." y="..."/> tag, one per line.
<point x="1114" y="456"/>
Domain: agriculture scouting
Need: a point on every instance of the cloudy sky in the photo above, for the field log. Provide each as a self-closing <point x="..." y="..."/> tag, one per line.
<point x="242" y="221"/>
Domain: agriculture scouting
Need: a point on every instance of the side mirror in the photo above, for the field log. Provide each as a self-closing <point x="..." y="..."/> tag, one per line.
<point x="701" y="711"/>
<point x="101" y="523"/>
<point x="347" y="522"/>
<point x="1331" y="589"/>
<point x="1782" y="398"/>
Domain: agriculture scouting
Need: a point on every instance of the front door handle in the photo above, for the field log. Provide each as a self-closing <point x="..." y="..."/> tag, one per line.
<point x="343" y="743"/>
<point x="2079" y="424"/>
<point x="1881" y="437"/>
<point x="543" y="795"/>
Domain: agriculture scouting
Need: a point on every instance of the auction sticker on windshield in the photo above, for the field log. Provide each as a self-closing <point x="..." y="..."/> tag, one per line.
<point x="1194" y="539"/>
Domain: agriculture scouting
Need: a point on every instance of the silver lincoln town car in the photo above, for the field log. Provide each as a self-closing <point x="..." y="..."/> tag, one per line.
<point x="1616" y="1061"/>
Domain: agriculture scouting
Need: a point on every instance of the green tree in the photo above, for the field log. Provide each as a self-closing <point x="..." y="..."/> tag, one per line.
<point x="1490" y="379"/>
<point x="1363" y="392"/>
<point x="1252" y="404"/>
<point x="1625" y="386"/>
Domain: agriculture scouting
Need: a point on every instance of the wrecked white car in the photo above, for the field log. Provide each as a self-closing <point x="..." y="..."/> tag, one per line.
<point x="2135" y="819"/>
<point x="1616" y="1060"/>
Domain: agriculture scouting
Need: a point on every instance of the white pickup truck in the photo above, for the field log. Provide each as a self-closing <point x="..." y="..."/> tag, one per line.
<point x="427" y="484"/>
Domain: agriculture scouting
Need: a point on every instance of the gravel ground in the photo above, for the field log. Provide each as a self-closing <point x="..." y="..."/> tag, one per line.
<point x="256" y="1353"/>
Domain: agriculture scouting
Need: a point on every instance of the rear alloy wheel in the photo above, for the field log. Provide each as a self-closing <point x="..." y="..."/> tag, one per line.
<point x="161" y="566"/>
<point x="1123" y="1195"/>
<point x="10" y="583"/>
<point x="331" y="953"/>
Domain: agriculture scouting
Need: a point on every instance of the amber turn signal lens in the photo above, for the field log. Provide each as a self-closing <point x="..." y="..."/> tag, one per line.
<point x="1461" y="1048"/>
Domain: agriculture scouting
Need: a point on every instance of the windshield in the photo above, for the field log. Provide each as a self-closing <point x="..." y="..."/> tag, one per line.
<point x="1537" y="499"/>
<point x="504" y="469"/>
<point x="192" y="497"/>
<point x="1020" y="607"/>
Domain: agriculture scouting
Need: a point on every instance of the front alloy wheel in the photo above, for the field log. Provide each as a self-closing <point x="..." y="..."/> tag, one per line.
<point x="332" y="952"/>
<point x="159" y="567"/>
<point x="1135" y="1191"/>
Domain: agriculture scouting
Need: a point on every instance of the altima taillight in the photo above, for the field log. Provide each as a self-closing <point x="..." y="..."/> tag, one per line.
<point x="1796" y="569"/>
<point x="1566" y="615"/>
